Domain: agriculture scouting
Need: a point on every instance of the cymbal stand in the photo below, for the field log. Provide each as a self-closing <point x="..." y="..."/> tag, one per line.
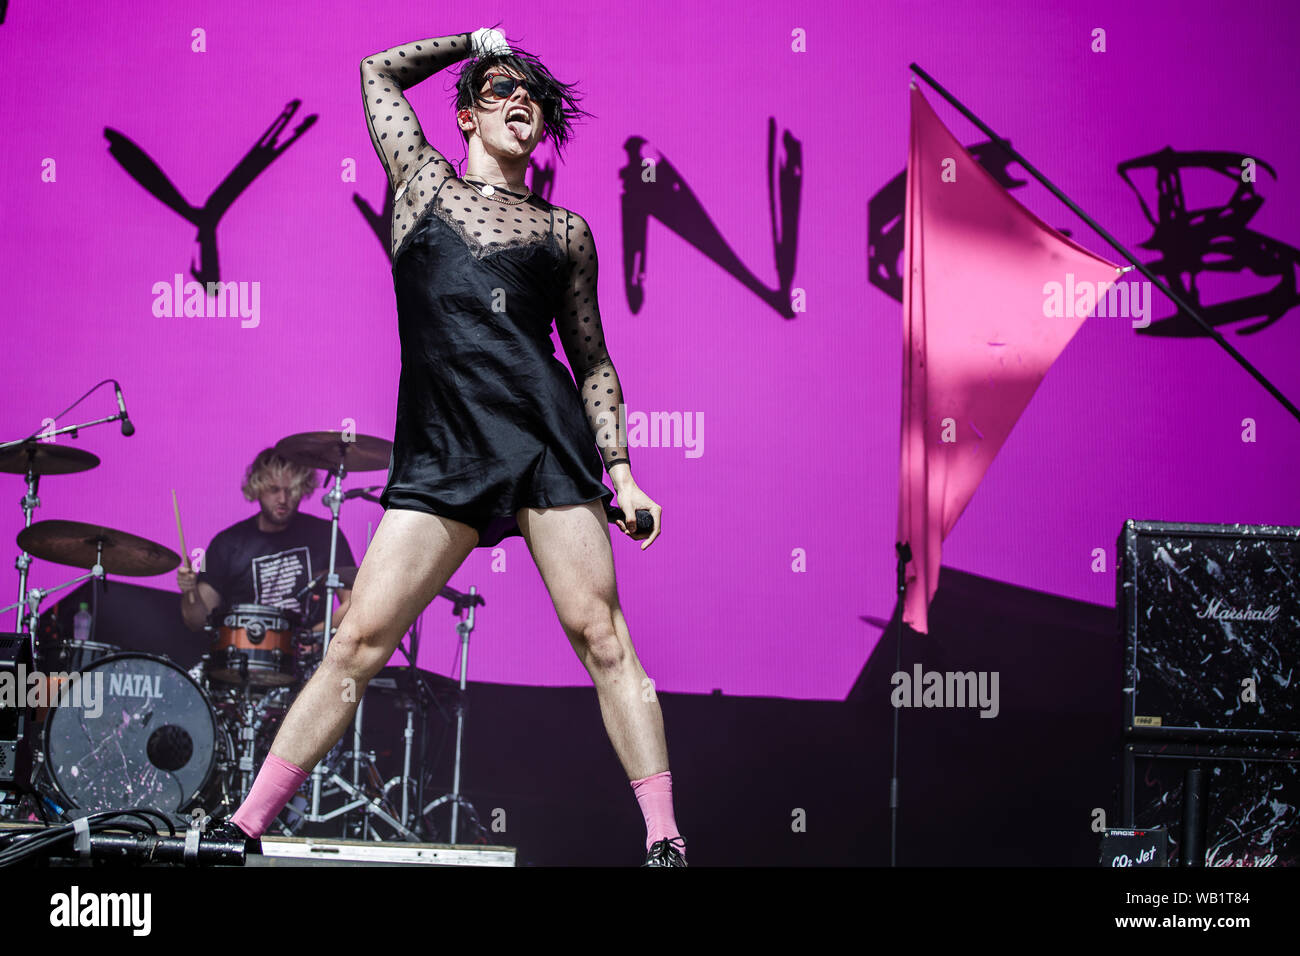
<point x="411" y="704"/>
<point x="36" y="595"/>
<point x="412" y="699"/>
<point x="30" y="503"/>
<point x="370" y="805"/>
<point x="333" y="498"/>
<point x="460" y="603"/>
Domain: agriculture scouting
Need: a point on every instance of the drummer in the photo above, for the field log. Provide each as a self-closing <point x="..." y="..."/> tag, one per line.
<point x="270" y="557"/>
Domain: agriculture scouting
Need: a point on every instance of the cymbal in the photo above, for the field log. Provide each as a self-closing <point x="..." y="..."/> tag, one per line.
<point x="48" y="459"/>
<point x="329" y="449"/>
<point x="74" y="543"/>
<point x="347" y="574"/>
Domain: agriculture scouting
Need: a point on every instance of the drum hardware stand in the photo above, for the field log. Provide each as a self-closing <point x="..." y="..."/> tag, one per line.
<point x="460" y="604"/>
<point x="245" y="744"/>
<point x="35" y="596"/>
<point x="242" y="719"/>
<point x="369" y="805"/>
<point x="410" y="705"/>
<point x="411" y="700"/>
<point x="252" y="717"/>
<point x="30" y="503"/>
<point x="233" y="763"/>
<point x="334" y="499"/>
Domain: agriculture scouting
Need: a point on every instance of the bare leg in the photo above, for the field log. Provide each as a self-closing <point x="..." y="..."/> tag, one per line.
<point x="572" y="550"/>
<point x="410" y="559"/>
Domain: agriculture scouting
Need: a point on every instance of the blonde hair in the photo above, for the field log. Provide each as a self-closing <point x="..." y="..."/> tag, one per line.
<point x="269" y="461"/>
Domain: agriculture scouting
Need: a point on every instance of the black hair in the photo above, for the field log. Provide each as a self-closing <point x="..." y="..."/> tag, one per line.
<point x="559" y="101"/>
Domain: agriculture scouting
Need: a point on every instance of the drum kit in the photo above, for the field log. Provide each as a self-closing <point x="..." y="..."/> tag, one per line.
<point x="144" y="732"/>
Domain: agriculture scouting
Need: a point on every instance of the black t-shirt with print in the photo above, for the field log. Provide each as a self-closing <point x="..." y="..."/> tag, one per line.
<point x="249" y="566"/>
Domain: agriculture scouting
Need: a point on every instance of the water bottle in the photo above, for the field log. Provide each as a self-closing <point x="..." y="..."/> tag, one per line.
<point x="81" y="623"/>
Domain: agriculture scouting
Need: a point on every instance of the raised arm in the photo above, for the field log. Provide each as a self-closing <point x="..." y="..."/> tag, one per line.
<point x="583" y="339"/>
<point x="394" y="129"/>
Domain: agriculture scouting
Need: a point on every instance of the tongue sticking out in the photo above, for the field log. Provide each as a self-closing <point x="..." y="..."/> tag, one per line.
<point x="519" y="128"/>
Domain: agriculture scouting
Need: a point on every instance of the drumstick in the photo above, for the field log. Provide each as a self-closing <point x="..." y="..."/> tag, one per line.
<point x="180" y="533"/>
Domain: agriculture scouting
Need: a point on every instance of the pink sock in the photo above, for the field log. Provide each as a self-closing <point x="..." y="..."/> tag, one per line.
<point x="274" y="785"/>
<point x="655" y="794"/>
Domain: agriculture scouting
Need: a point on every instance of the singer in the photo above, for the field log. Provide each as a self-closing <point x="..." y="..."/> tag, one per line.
<point x="493" y="436"/>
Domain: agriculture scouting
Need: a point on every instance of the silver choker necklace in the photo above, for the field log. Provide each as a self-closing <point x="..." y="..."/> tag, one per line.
<point x="487" y="189"/>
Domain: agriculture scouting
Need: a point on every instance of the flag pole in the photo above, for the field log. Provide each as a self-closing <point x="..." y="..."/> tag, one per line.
<point x="1115" y="243"/>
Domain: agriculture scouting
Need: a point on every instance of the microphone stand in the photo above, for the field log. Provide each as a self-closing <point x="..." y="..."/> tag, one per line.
<point x="904" y="555"/>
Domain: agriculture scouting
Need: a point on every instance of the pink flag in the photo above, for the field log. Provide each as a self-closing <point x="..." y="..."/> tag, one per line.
<point x="992" y="296"/>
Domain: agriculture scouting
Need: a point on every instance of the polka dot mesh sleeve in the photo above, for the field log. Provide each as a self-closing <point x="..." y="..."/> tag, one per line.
<point x="394" y="129"/>
<point x="578" y="323"/>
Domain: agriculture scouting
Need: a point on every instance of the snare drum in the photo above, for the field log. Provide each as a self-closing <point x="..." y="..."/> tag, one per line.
<point x="254" y="644"/>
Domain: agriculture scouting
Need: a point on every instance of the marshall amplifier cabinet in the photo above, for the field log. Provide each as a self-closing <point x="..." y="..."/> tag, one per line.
<point x="1211" y="629"/>
<point x="1241" y="806"/>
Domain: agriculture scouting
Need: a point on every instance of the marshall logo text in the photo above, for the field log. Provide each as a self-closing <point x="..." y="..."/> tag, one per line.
<point x="1219" y="611"/>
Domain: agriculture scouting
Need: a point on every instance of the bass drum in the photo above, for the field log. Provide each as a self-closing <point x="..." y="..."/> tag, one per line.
<point x="131" y="730"/>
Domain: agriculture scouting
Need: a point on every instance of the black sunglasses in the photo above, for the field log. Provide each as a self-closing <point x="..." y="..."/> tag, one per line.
<point x="504" y="85"/>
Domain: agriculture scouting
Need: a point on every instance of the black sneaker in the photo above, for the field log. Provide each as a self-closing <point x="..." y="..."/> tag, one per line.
<point x="665" y="853"/>
<point x="227" y="832"/>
